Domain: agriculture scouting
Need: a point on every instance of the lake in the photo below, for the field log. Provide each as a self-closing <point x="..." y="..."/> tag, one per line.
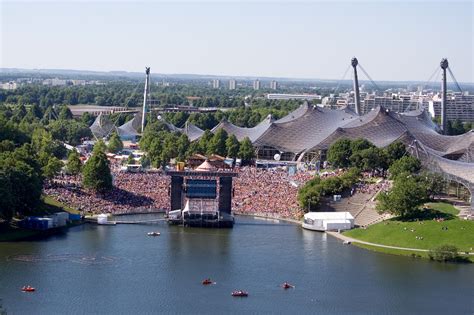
<point x="120" y="270"/>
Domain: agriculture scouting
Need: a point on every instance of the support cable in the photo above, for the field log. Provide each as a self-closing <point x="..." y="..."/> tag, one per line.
<point x="454" y="79"/>
<point x="434" y="75"/>
<point x="343" y="77"/>
<point x="368" y="76"/>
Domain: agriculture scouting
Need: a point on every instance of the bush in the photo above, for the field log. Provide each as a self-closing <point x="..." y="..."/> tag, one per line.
<point x="445" y="253"/>
<point x="310" y="194"/>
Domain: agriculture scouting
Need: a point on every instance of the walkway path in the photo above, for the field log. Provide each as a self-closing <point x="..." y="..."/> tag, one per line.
<point x="353" y="240"/>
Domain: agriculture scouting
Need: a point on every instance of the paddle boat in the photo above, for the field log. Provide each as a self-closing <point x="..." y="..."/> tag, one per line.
<point x="207" y="281"/>
<point x="240" y="293"/>
<point x="28" y="289"/>
<point x="286" y="285"/>
<point x="153" y="233"/>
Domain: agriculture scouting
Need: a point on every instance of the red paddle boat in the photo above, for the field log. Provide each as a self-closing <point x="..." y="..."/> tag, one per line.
<point x="286" y="285"/>
<point x="28" y="289"/>
<point x="207" y="281"/>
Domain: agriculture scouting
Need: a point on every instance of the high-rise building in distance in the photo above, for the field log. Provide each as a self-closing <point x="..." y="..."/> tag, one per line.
<point x="216" y="83"/>
<point x="273" y="85"/>
<point x="231" y="84"/>
<point x="256" y="85"/>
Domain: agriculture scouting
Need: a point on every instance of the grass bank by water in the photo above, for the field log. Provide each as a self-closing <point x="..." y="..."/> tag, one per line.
<point x="424" y="233"/>
<point x="400" y="252"/>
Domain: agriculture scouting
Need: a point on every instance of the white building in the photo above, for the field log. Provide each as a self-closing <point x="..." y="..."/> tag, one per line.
<point x="256" y="84"/>
<point x="78" y="82"/>
<point x="328" y="221"/>
<point x="308" y="97"/>
<point x="216" y="83"/>
<point x="458" y="106"/>
<point x="273" y="85"/>
<point x="54" y="82"/>
<point x="231" y="84"/>
<point x="9" y="85"/>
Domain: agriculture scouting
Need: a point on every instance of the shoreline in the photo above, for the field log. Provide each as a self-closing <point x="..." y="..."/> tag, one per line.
<point x="237" y="214"/>
<point x="269" y="217"/>
<point x="137" y="212"/>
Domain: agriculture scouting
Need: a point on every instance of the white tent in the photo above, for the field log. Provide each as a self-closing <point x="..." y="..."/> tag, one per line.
<point x="328" y="221"/>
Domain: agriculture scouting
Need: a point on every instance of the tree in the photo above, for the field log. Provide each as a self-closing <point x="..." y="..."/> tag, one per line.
<point x="87" y="119"/>
<point x="309" y="199"/>
<point x="455" y="127"/>
<point x="74" y="164"/>
<point x="96" y="172"/>
<point x="445" y="253"/>
<point x="64" y="113"/>
<point x="7" y="145"/>
<point x="21" y="182"/>
<point x="405" y="165"/>
<point x="369" y="159"/>
<point x="130" y="160"/>
<point x="152" y="131"/>
<point x="395" y="151"/>
<point x="145" y="161"/>
<point x="217" y="144"/>
<point x="233" y="146"/>
<point x="115" y="144"/>
<point x="433" y="182"/>
<point x="52" y="167"/>
<point x="339" y="153"/>
<point x="42" y="141"/>
<point x="36" y="111"/>
<point x="404" y="199"/>
<point x="246" y="151"/>
<point x="182" y="146"/>
<point x="69" y="131"/>
<point x="99" y="146"/>
<point x="360" y="144"/>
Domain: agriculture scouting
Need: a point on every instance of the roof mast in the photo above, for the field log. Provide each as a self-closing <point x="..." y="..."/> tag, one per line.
<point x="354" y="63"/>
<point x="145" y="97"/>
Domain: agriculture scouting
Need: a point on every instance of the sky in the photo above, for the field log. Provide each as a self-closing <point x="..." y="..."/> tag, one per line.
<point x="394" y="41"/>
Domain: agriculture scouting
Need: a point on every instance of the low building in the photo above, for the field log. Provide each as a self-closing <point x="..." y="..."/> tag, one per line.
<point x="328" y="221"/>
<point x="9" y="85"/>
<point x="308" y="97"/>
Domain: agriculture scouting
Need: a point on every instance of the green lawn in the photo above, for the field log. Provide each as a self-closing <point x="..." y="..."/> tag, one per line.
<point x="403" y="234"/>
<point x="51" y="205"/>
<point x="398" y="252"/>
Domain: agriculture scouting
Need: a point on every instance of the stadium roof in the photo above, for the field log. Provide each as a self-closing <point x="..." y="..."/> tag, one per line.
<point x="304" y="128"/>
<point x="102" y="126"/>
<point x="130" y="128"/>
<point x="310" y="128"/>
<point x="240" y="132"/>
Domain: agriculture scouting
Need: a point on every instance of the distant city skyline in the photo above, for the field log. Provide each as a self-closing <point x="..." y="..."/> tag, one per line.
<point x="308" y="40"/>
